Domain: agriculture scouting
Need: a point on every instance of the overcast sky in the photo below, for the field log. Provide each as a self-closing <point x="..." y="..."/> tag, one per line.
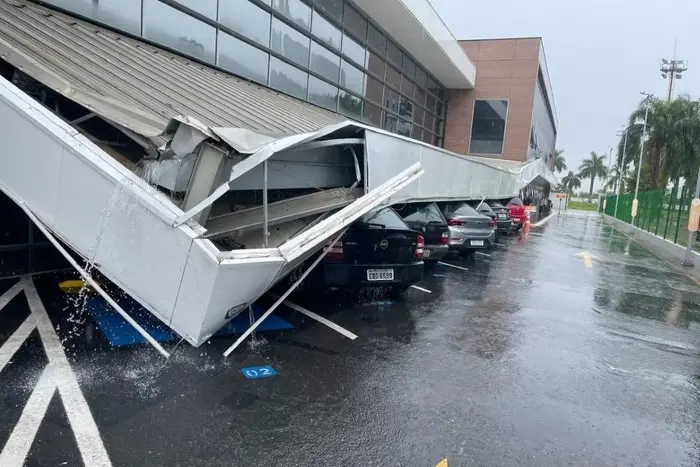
<point x="600" y="54"/>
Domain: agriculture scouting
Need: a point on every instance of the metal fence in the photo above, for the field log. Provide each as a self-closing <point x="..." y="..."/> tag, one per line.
<point x="662" y="212"/>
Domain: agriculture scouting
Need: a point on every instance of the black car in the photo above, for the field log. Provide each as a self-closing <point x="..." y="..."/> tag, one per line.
<point x="504" y="224"/>
<point x="427" y="219"/>
<point x="378" y="250"/>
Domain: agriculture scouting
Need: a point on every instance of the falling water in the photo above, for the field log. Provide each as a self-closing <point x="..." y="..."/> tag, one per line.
<point x="255" y="342"/>
<point x="77" y="313"/>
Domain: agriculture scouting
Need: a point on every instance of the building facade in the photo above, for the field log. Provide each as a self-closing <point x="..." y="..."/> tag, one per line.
<point x="510" y="113"/>
<point x="326" y="52"/>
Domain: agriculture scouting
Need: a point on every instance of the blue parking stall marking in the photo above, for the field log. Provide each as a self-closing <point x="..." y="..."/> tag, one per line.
<point x="257" y="372"/>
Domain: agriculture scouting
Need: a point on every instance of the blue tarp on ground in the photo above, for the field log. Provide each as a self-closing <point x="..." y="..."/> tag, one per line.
<point x="120" y="333"/>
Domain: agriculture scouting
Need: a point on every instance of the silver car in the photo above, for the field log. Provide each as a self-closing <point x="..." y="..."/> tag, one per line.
<point x="469" y="230"/>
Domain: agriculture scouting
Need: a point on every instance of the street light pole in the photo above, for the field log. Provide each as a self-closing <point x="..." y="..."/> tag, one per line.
<point x="619" y="171"/>
<point x="635" y="203"/>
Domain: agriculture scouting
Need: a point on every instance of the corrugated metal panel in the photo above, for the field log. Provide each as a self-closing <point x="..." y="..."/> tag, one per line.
<point x="137" y="85"/>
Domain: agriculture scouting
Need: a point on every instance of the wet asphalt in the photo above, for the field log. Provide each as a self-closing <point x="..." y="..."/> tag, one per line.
<point x="527" y="358"/>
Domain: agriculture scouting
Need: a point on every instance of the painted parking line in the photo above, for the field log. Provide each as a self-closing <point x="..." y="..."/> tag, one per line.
<point x="453" y="266"/>
<point x="499" y="244"/>
<point x="58" y="375"/>
<point x="12" y="345"/>
<point x="482" y="254"/>
<point x="10" y="294"/>
<point x="420" y="288"/>
<point x="16" y="450"/>
<point x="320" y="319"/>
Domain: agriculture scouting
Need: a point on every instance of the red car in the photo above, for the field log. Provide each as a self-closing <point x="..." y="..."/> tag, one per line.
<point x="517" y="212"/>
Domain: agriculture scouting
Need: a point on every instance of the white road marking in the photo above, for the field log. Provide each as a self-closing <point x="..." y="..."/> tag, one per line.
<point x="320" y="319"/>
<point x="420" y="288"/>
<point x="17" y="447"/>
<point x="10" y="294"/>
<point x="453" y="266"/>
<point x="11" y="345"/>
<point x="542" y="222"/>
<point x="482" y="254"/>
<point x="92" y="449"/>
<point x="499" y="244"/>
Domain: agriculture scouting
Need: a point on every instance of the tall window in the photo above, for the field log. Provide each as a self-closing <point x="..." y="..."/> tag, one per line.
<point x="488" y="126"/>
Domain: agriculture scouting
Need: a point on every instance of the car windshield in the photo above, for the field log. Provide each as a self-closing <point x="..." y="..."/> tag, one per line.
<point x="385" y="218"/>
<point x="516" y="202"/>
<point x="496" y="205"/>
<point x="427" y="213"/>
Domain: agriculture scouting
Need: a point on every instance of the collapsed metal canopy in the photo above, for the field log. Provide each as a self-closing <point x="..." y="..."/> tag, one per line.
<point x="137" y="85"/>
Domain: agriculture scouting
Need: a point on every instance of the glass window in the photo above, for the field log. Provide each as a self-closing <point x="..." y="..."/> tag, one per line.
<point x="355" y="22"/>
<point x="418" y="115"/>
<point x="375" y="64"/>
<point x="421" y="77"/>
<point x="488" y="126"/>
<point x="373" y="89"/>
<point x="350" y="105"/>
<point x="323" y="94"/>
<point x="417" y="133"/>
<point x="290" y="43"/>
<point x="376" y="40"/>
<point x="353" y="49"/>
<point x="287" y="78"/>
<point x="462" y="209"/>
<point x="430" y="103"/>
<point x="430" y="122"/>
<point x="432" y="85"/>
<point x="393" y="77"/>
<point x="325" y="31"/>
<point x="332" y="7"/>
<point x="122" y="14"/>
<point x="352" y="78"/>
<point x="409" y="67"/>
<point x="407" y="87"/>
<point x="205" y="7"/>
<point x="324" y="62"/>
<point x="294" y="10"/>
<point x="406" y="108"/>
<point x="372" y="114"/>
<point x="428" y="137"/>
<point x="439" y="107"/>
<point x="394" y="54"/>
<point x="404" y="127"/>
<point x="391" y="99"/>
<point x="246" y="19"/>
<point x="420" y="96"/>
<point x="242" y="59"/>
<point x="391" y="122"/>
<point x="383" y="218"/>
<point x="177" y="30"/>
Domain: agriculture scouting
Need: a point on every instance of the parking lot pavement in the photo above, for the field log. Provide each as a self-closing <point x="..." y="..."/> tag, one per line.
<point x="568" y="346"/>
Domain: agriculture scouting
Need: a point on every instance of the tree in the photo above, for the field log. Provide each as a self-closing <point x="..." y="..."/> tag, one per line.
<point x="592" y="168"/>
<point x="570" y="182"/>
<point x="613" y="178"/>
<point x="559" y="161"/>
<point x="672" y="148"/>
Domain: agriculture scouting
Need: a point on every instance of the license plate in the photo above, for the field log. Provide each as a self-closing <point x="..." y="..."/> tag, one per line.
<point x="502" y="216"/>
<point x="426" y="253"/>
<point x="380" y="274"/>
<point x="476" y="243"/>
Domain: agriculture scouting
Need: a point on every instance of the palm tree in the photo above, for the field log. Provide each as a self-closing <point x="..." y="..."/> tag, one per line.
<point x="559" y="161"/>
<point x="592" y="168"/>
<point x="613" y="178"/>
<point x="570" y="182"/>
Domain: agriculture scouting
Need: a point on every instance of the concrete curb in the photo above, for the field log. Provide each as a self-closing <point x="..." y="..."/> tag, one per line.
<point x="658" y="246"/>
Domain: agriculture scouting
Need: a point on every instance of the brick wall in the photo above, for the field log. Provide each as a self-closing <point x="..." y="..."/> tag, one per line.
<point x="505" y="69"/>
